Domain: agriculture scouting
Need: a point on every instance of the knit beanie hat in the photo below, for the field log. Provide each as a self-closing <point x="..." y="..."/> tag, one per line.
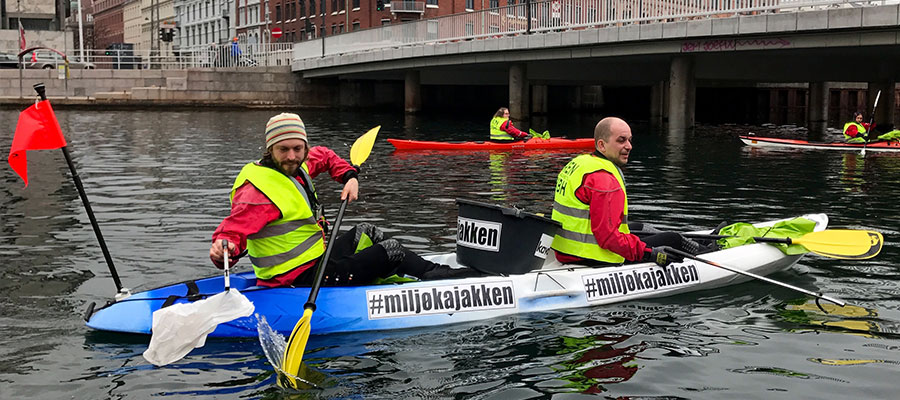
<point x="285" y="126"/>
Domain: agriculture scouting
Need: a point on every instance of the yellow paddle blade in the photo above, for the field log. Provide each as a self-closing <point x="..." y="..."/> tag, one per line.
<point x="293" y="351"/>
<point x="847" y="244"/>
<point x="363" y="146"/>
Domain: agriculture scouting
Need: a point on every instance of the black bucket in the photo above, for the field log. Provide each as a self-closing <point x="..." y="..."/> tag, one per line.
<point x="502" y="240"/>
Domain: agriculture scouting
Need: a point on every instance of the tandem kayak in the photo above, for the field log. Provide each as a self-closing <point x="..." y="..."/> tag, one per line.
<point x="533" y="143"/>
<point x="759" y="141"/>
<point x="427" y="303"/>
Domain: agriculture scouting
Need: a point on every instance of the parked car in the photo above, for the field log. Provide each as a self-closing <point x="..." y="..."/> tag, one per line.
<point x="46" y="59"/>
<point x="8" y="61"/>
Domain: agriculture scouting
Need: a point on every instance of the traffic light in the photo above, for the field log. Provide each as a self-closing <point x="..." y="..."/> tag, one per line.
<point x="162" y="34"/>
<point x="379" y="5"/>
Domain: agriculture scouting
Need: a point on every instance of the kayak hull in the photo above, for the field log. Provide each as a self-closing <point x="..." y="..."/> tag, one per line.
<point x="533" y="143"/>
<point x="759" y="141"/>
<point x="430" y="303"/>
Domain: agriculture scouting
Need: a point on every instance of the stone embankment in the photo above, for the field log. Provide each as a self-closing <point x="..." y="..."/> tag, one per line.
<point x="245" y="87"/>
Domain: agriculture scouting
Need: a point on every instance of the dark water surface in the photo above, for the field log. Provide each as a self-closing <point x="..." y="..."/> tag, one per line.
<point x="159" y="182"/>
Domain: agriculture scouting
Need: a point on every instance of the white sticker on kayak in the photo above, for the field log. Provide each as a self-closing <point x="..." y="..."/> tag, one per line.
<point x="445" y="299"/>
<point x="478" y="234"/>
<point x="543" y="246"/>
<point x="642" y="279"/>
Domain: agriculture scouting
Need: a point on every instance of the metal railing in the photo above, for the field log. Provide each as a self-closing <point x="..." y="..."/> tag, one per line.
<point x="551" y="15"/>
<point x="209" y="56"/>
<point x="408" y="6"/>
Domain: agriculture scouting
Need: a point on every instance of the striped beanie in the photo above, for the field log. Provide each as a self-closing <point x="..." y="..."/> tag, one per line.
<point x="285" y="126"/>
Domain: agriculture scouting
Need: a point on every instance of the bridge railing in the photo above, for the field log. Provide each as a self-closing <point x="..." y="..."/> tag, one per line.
<point x="123" y="57"/>
<point x="550" y="15"/>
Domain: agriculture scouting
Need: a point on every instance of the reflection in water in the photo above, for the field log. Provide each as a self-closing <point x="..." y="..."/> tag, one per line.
<point x="850" y="319"/>
<point x="497" y="166"/>
<point x="598" y="361"/>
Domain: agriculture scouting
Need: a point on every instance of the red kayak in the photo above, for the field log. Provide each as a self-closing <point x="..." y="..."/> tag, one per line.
<point x="533" y="143"/>
<point x="759" y="141"/>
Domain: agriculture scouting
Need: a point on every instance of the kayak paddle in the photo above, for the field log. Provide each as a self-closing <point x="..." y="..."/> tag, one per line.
<point x="845" y="244"/>
<point x="760" y="277"/>
<point x="293" y="350"/>
<point x="871" y="122"/>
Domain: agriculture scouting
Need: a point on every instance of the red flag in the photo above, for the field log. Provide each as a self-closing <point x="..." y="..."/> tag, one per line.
<point x="21" y="36"/>
<point x="37" y="129"/>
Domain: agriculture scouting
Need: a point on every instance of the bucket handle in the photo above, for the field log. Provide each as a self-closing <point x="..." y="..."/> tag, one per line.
<point x="516" y="212"/>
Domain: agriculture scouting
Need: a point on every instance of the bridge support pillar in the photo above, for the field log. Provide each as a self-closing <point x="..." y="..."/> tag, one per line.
<point x="817" y="110"/>
<point x="658" y="105"/>
<point x="412" y="98"/>
<point x="884" y="114"/>
<point x="682" y="91"/>
<point x="539" y="103"/>
<point x="518" y="93"/>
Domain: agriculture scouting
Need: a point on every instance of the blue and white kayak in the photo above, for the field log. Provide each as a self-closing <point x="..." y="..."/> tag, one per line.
<point x="427" y="303"/>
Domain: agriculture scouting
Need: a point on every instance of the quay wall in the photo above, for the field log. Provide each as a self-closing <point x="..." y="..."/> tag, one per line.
<point x="255" y="86"/>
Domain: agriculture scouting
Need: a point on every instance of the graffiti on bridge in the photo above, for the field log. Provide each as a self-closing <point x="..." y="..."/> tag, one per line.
<point x="733" y="44"/>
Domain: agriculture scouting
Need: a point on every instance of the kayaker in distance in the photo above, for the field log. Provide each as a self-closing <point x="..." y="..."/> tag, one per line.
<point x="502" y="129"/>
<point x="856" y="131"/>
<point x="591" y="203"/>
<point x="274" y="216"/>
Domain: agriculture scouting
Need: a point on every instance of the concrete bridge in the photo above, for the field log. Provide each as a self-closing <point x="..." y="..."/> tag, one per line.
<point x="672" y="47"/>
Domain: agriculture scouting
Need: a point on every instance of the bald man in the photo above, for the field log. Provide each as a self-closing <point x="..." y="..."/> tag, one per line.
<point x="592" y="205"/>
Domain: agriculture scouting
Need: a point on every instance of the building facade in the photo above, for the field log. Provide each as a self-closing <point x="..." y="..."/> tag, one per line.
<point x="109" y="23"/>
<point x="204" y="23"/>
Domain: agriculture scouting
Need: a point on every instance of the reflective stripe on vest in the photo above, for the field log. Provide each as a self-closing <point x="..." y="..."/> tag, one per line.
<point x="576" y="238"/>
<point x="292" y="240"/>
<point x="496" y="133"/>
<point x="859" y="128"/>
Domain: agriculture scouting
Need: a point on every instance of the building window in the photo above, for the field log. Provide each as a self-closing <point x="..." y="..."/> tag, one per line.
<point x="355" y="3"/>
<point x="431" y="2"/>
<point x="333" y="29"/>
<point x="278" y="13"/>
<point x="302" y="8"/>
<point x="470" y="4"/>
<point x="385" y="21"/>
<point x="494" y="4"/>
<point x="355" y="26"/>
<point x="334" y="5"/>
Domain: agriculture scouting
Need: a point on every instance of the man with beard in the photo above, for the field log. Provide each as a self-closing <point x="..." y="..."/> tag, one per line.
<point x="275" y="216"/>
<point x="591" y="204"/>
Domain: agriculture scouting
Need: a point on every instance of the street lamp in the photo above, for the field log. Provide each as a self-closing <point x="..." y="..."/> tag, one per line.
<point x="80" y="33"/>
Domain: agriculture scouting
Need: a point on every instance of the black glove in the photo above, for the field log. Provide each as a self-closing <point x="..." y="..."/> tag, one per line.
<point x="662" y="256"/>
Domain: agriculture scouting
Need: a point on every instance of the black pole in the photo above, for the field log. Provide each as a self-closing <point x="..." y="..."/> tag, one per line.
<point x="41" y="91"/>
<point x="528" y="17"/>
<point x="322" y="28"/>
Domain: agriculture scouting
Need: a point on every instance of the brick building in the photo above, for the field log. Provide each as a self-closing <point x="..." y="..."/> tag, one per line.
<point x="303" y="19"/>
<point x="109" y="23"/>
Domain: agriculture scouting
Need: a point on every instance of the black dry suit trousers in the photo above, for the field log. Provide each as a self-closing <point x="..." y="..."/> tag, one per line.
<point x="385" y="257"/>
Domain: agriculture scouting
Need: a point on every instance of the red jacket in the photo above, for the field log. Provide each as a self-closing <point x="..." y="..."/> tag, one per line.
<point x="852" y="131"/>
<point x="251" y="210"/>
<point x="512" y="130"/>
<point x="606" y="199"/>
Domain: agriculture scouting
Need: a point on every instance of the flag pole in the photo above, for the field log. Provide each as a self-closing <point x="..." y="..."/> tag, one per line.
<point x="121" y="292"/>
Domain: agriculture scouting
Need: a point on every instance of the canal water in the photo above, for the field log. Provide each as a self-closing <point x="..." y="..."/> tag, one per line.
<point x="159" y="181"/>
